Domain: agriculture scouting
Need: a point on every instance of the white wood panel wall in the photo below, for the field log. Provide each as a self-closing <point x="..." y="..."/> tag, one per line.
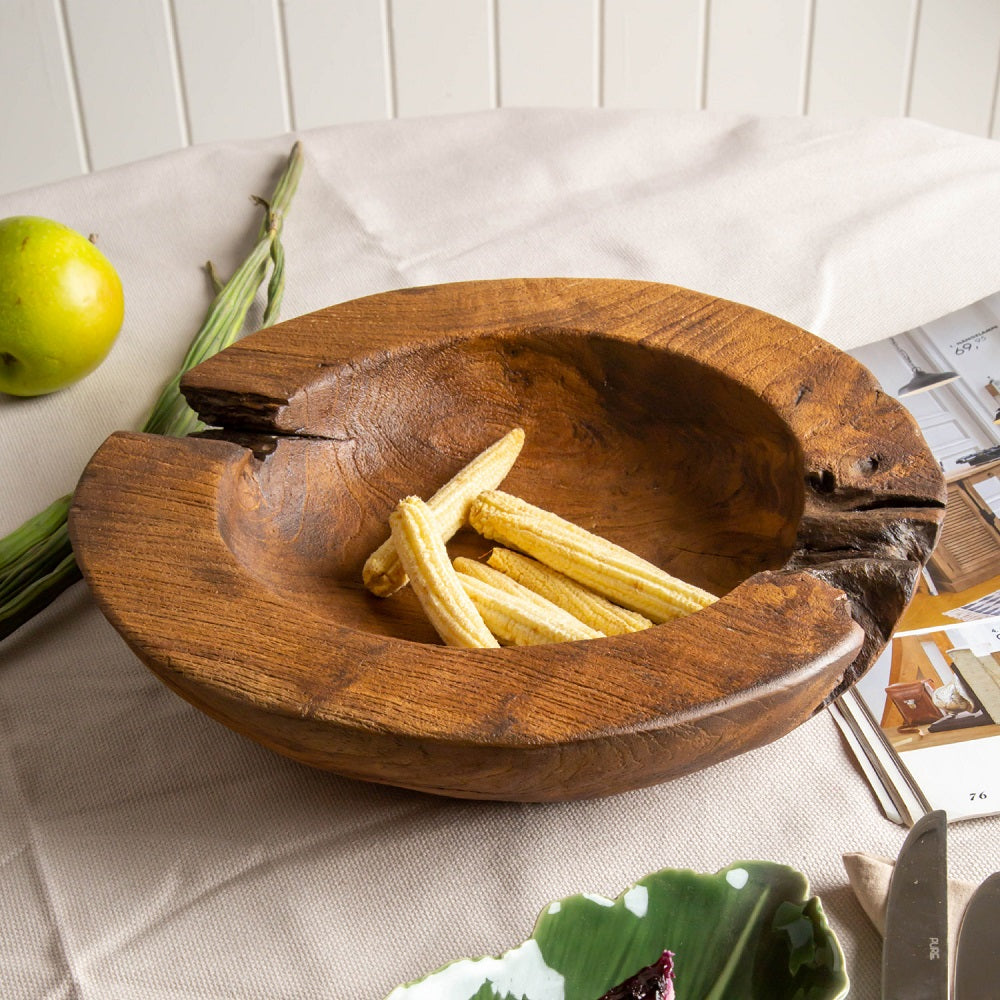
<point x="94" y="83"/>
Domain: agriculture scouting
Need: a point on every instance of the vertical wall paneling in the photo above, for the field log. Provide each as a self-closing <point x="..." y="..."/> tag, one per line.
<point x="805" y="55"/>
<point x="703" y="56"/>
<point x="41" y="138"/>
<point x="548" y="53"/>
<point x="955" y="64"/>
<point x="441" y="55"/>
<point x="756" y="56"/>
<point x="911" y="54"/>
<point x="860" y="57"/>
<point x="995" y="118"/>
<point x="652" y="54"/>
<point x="336" y="61"/>
<point x="100" y="82"/>
<point x="231" y="68"/>
<point x="139" y="64"/>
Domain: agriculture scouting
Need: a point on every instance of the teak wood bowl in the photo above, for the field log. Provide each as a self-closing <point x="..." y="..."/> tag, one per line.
<point x="725" y="445"/>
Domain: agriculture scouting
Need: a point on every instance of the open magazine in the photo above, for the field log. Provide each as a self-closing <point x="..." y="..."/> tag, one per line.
<point x="924" y="722"/>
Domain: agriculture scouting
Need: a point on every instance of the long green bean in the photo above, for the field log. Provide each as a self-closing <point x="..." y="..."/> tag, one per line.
<point x="36" y="559"/>
<point x="33" y="531"/>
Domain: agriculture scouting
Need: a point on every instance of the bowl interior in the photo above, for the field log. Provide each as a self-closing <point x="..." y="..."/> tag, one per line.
<point x="658" y="452"/>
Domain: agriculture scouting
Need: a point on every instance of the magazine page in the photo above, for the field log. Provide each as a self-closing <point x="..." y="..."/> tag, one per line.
<point x="935" y="697"/>
<point x="927" y="714"/>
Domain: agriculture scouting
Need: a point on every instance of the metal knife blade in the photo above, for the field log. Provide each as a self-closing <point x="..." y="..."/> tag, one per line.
<point x="915" y="949"/>
<point x="978" y="944"/>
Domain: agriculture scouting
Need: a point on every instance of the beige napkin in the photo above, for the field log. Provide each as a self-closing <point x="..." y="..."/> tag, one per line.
<point x="869" y="875"/>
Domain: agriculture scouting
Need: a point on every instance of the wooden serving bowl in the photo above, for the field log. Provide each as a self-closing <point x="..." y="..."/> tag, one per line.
<point x="725" y="445"/>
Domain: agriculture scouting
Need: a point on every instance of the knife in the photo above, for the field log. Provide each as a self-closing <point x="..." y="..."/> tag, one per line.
<point x="915" y="949"/>
<point x="978" y="943"/>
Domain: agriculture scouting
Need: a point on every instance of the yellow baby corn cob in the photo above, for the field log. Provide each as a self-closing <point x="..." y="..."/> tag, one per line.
<point x="581" y="603"/>
<point x="517" y="621"/>
<point x="610" y="570"/>
<point x="382" y="573"/>
<point x="425" y="560"/>
<point x="547" y="622"/>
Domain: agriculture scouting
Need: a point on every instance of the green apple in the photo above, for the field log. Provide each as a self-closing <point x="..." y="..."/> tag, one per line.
<point x="61" y="306"/>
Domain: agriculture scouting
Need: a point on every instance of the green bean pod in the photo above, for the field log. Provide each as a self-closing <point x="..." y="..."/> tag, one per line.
<point x="36" y="559"/>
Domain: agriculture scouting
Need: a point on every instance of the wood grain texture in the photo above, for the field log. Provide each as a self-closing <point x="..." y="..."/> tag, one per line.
<point x="723" y="444"/>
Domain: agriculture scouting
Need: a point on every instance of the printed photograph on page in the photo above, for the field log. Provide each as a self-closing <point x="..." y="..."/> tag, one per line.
<point x="935" y="695"/>
<point x="935" y="691"/>
<point x="947" y="374"/>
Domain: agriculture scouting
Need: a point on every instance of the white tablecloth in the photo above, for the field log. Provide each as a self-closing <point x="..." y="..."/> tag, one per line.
<point x="147" y="852"/>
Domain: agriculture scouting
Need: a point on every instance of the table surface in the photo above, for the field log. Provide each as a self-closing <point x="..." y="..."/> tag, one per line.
<point x="146" y="851"/>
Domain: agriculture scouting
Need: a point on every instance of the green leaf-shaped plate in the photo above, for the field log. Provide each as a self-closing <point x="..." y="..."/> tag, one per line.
<point x="748" y="932"/>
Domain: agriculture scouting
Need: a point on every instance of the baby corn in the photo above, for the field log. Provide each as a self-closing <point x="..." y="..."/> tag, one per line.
<point x="581" y="603"/>
<point x="424" y="558"/>
<point x="610" y="570"/>
<point x="518" y="622"/>
<point x="383" y="573"/>
<point x="517" y="614"/>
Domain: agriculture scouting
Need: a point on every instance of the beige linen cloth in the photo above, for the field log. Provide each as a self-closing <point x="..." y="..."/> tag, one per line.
<point x="148" y="853"/>
<point x="870" y="876"/>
